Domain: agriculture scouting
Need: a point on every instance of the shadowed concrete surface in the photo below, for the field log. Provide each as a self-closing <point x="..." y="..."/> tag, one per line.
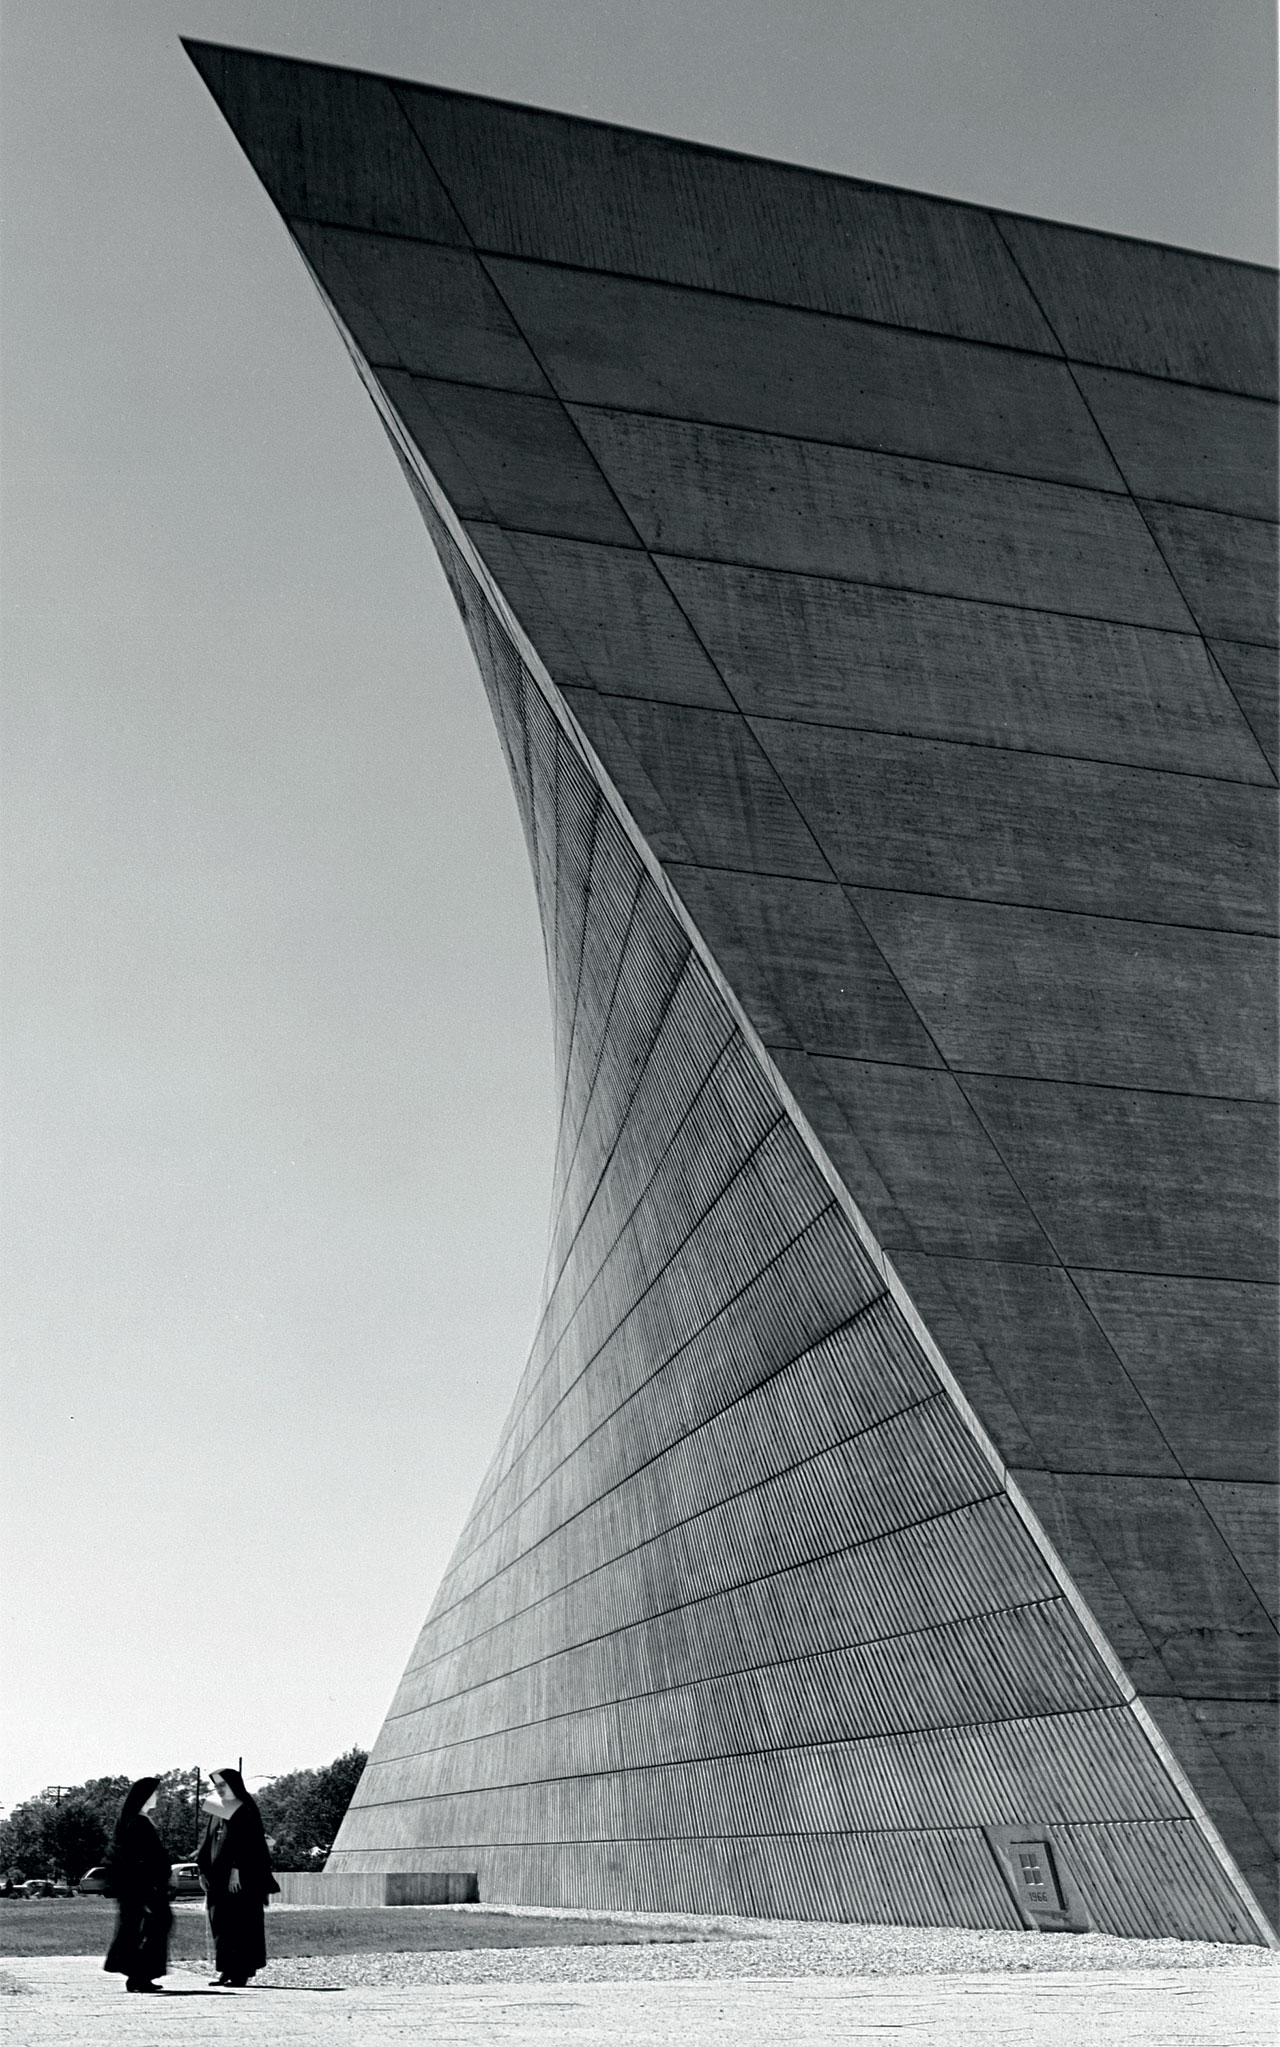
<point x="876" y="599"/>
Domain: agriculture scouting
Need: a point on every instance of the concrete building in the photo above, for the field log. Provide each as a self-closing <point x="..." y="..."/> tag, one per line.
<point x="876" y="600"/>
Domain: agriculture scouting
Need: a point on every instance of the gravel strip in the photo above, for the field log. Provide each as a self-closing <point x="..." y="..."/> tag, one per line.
<point x="781" y="1949"/>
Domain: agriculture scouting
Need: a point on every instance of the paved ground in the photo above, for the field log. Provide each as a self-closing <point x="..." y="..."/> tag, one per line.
<point x="67" y="2002"/>
<point x="785" y="1986"/>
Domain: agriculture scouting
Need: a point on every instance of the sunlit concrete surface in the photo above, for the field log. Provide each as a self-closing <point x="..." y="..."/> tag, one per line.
<point x="70" y="2002"/>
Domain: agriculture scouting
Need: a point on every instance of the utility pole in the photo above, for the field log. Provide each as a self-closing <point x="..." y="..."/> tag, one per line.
<point x="57" y="1790"/>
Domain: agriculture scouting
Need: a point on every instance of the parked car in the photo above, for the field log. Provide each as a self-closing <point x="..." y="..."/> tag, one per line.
<point x="184" y="1881"/>
<point x="94" y="1882"/>
<point x="41" y="1887"/>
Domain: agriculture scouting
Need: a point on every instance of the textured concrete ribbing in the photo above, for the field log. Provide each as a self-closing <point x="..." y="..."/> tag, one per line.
<point x="874" y="596"/>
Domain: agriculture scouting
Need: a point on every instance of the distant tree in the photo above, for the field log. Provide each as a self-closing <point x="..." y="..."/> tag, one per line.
<point x="23" y="1844"/>
<point x="177" y="1817"/>
<point x="303" y="1810"/>
<point x="64" y="1833"/>
<point x="76" y="1837"/>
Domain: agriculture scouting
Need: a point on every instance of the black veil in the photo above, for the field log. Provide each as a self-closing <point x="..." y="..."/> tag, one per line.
<point x="236" y="1786"/>
<point x="135" y="1798"/>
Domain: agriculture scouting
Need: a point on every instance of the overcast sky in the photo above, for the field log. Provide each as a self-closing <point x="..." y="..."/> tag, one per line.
<point x="277" y="1067"/>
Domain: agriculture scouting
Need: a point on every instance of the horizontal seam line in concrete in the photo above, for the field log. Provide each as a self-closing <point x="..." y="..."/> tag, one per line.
<point x="1127" y="1271"/>
<point x="478" y="248"/>
<point x="1070" y="1265"/>
<point x="1155" y="497"/>
<point x="977" y="1828"/>
<point x="1074" y="1266"/>
<point x="496" y="1528"/>
<point x="613" y="1150"/>
<point x="1232" y="640"/>
<point x="629" y="967"/>
<point x="594" y="806"/>
<point x="593" y="1280"/>
<point x="723" y="1051"/>
<point x="944" y="1828"/>
<point x="686" y="1605"/>
<point x="815" y="723"/>
<point x="582" y="1102"/>
<point x="992" y="902"/>
<point x="554" y="395"/>
<point x="685" y="1520"/>
<point x="1232" y="1279"/>
<point x="1240" y="1698"/>
<point x="906" y="1734"/>
<point x="826" y="1209"/>
<point x="1195" y="634"/>
<point x="1192" y="631"/>
<point x="1123" y="491"/>
<point x="743" y="1492"/>
<point x="638" y="1200"/>
<point x="1179" y="1477"/>
<point x="1115" y="1087"/>
<point x="1055" y="1599"/>
<point x="702" y="1217"/>
<point x="754" y="717"/>
<point x="891" y="1733"/>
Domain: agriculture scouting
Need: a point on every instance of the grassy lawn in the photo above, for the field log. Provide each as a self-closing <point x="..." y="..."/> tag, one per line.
<point x="79" y="1926"/>
<point x="82" y="1926"/>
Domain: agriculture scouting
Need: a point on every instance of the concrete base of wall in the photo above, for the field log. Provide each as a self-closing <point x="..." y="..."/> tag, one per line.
<point x="380" y="1887"/>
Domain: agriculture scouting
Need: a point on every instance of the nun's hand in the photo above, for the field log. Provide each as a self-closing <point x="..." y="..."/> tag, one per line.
<point x="233" y="1882"/>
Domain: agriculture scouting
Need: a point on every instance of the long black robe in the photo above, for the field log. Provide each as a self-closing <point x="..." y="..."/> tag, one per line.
<point x="236" y="1917"/>
<point x="138" y="1874"/>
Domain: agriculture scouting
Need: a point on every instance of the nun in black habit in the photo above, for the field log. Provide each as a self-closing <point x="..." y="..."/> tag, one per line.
<point x="138" y="1879"/>
<point x="235" y="1864"/>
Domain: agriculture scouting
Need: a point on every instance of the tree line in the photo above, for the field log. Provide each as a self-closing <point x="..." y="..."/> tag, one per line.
<point x="65" y="1830"/>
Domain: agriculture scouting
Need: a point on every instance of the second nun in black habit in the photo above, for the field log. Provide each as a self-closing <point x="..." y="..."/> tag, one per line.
<point x="235" y="1864"/>
<point x="138" y="1876"/>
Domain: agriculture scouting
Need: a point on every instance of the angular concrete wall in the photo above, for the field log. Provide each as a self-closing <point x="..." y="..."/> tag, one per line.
<point x="876" y="597"/>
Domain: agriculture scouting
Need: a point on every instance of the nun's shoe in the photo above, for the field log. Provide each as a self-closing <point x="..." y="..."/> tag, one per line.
<point x="154" y="1988"/>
